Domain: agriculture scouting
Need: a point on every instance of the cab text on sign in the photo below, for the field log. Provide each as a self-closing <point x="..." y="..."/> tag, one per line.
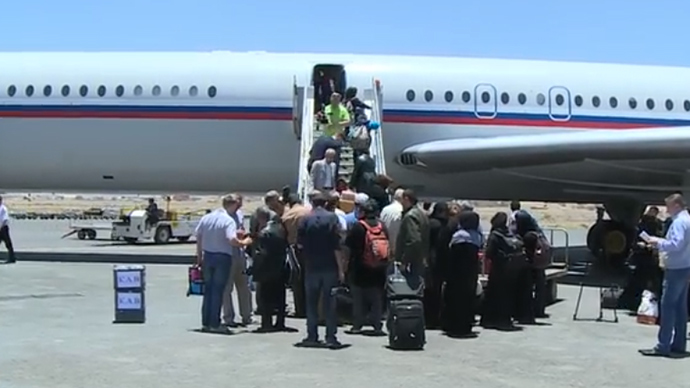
<point x="128" y="279"/>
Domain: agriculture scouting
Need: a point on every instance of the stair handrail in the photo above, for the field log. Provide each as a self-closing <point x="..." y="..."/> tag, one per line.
<point x="376" y="148"/>
<point x="307" y="139"/>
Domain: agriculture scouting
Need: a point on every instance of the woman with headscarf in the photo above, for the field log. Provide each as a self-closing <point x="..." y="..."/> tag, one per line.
<point x="461" y="271"/>
<point x="439" y="238"/>
<point x="502" y="249"/>
<point x="524" y="307"/>
<point x="378" y="190"/>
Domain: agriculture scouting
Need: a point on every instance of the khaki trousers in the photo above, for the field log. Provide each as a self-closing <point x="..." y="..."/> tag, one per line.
<point x="240" y="281"/>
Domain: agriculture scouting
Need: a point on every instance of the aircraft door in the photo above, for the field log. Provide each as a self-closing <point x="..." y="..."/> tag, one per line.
<point x="560" y="107"/>
<point x="485" y="102"/>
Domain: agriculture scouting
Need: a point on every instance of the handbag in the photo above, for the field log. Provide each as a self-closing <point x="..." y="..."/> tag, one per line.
<point x="195" y="281"/>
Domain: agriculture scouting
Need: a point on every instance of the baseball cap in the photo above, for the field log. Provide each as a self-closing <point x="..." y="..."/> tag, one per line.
<point x="361" y="199"/>
<point x="466" y="205"/>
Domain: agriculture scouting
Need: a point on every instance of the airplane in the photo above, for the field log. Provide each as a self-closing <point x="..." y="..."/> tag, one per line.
<point x="488" y="129"/>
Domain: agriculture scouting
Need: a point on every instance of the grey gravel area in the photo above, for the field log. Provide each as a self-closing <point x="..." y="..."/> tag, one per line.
<point x="56" y="331"/>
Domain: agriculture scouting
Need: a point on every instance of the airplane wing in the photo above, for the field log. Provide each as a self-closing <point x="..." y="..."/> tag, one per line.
<point x="477" y="154"/>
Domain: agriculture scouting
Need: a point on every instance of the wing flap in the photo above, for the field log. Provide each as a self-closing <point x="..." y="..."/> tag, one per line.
<point x="472" y="154"/>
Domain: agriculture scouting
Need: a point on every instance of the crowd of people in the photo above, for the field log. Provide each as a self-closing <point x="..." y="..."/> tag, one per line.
<point x="340" y="250"/>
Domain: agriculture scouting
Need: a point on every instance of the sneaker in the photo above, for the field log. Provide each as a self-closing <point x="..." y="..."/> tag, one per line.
<point x="354" y="331"/>
<point x="653" y="352"/>
<point x="309" y="343"/>
<point x="334" y="344"/>
<point x="285" y="329"/>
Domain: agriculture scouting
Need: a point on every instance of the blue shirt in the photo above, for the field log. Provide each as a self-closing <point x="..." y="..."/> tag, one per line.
<point x="676" y="245"/>
<point x="350" y="218"/>
<point x="318" y="235"/>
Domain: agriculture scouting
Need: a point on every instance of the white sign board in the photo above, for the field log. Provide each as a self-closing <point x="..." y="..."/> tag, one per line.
<point x="128" y="301"/>
<point x="128" y="279"/>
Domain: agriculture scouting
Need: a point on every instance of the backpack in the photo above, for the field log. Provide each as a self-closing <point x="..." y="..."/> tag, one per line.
<point x="376" y="246"/>
<point x="360" y="138"/>
<point x="513" y="250"/>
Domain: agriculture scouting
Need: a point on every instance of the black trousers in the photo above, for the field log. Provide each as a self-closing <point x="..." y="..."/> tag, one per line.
<point x="272" y="300"/>
<point x="7" y="240"/>
<point x="299" y="295"/>
<point x="433" y="282"/>
<point x="540" y="291"/>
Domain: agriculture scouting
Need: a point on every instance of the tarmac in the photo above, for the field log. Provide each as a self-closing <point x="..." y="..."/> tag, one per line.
<point x="56" y="331"/>
<point x="40" y="240"/>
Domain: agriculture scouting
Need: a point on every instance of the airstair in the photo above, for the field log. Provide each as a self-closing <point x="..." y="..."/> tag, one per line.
<point x="308" y="130"/>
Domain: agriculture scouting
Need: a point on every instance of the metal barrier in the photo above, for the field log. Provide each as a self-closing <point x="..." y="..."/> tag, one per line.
<point x="549" y="233"/>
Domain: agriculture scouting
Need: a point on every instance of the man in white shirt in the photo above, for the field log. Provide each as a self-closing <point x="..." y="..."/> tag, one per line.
<point x="5" y="233"/>
<point x="391" y="216"/>
<point x="238" y="279"/>
<point x="323" y="172"/>
<point x="216" y="243"/>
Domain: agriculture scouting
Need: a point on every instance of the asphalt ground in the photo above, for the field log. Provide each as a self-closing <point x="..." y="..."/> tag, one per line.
<point x="56" y="331"/>
<point x="40" y="240"/>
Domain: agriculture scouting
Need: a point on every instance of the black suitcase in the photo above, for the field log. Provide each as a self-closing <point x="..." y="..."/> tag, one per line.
<point x="406" y="324"/>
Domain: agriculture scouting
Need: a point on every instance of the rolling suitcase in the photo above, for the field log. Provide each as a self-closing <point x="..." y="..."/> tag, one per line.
<point x="405" y="319"/>
<point x="406" y="324"/>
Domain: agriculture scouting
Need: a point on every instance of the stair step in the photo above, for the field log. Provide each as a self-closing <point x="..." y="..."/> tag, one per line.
<point x="347" y="158"/>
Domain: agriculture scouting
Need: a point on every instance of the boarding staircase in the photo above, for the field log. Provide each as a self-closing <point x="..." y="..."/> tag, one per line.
<point x="307" y="130"/>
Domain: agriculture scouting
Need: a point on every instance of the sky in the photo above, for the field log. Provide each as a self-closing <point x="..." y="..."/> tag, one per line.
<point x="632" y="31"/>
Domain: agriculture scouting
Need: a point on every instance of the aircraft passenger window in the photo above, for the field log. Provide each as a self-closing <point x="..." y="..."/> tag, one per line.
<point x="686" y="105"/>
<point x="428" y="96"/>
<point x="559" y="99"/>
<point x="669" y="104"/>
<point x="650" y="104"/>
<point x="101" y="91"/>
<point x="175" y="91"/>
<point x="613" y="101"/>
<point x="193" y="91"/>
<point x="486" y="97"/>
<point x="138" y="90"/>
<point x="119" y="90"/>
<point x="505" y="98"/>
<point x="522" y="99"/>
<point x="83" y="90"/>
<point x="410" y="95"/>
<point x="65" y="90"/>
<point x="11" y="90"/>
<point x="596" y="101"/>
<point x="29" y="91"/>
<point x="578" y="100"/>
<point x="212" y="91"/>
<point x="541" y="99"/>
<point x="448" y="96"/>
<point x="47" y="90"/>
<point x="632" y="103"/>
<point x="466" y="97"/>
<point x="156" y="91"/>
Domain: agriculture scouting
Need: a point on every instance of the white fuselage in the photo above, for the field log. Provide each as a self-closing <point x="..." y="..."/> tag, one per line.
<point x="148" y="133"/>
